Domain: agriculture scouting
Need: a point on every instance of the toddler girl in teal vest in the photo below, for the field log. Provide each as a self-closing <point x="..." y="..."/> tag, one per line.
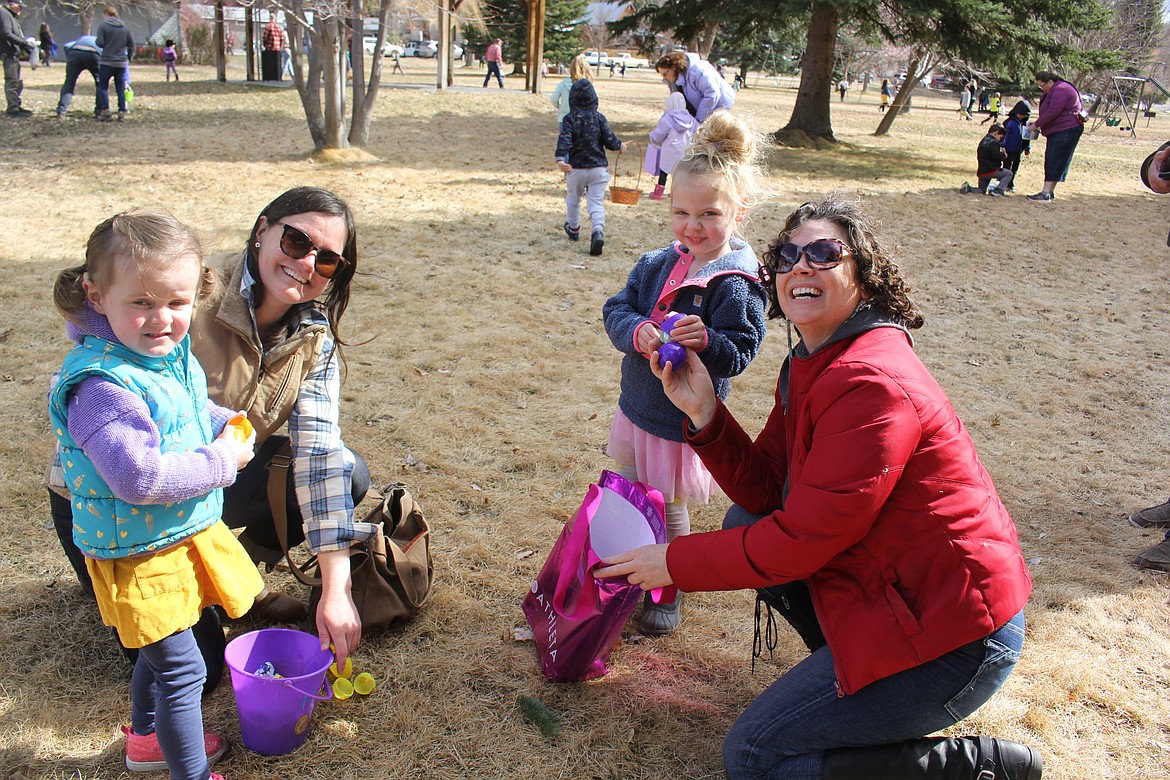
<point x="145" y="455"/>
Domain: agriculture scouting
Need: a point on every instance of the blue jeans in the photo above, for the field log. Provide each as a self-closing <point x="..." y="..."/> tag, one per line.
<point x="493" y="67"/>
<point x="103" y="87"/>
<point x="785" y="731"/>
<point x="76" y="63"/>
<point x="245" y="502"/>
<point x="164" y="698"/>
<point x="1058" y="152"/>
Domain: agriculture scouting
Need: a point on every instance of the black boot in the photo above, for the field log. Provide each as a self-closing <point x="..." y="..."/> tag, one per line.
<point x="962" y="758"/>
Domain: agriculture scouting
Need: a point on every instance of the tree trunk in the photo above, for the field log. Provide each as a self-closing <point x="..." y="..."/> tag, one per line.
<point x="707" y="39"/>
<point x="326" y="123"/>
<point x="220" y="54"/>
<point x="309" y="88"/>
<point x="919" y="65"/>
<point x="363" y="111"/>
<point x="357" y="56"/>
<point x="810" y="115"/>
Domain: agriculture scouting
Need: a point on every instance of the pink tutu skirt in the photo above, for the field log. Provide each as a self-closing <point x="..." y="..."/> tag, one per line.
<point x="670" y="466"/>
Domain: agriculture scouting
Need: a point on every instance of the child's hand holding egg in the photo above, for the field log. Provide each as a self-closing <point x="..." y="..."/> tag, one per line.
<point x="240" y="431"/>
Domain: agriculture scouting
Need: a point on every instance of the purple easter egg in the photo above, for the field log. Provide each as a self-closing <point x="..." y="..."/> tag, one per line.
<point x="669" y="323"/>
<point x="672" y="353"/>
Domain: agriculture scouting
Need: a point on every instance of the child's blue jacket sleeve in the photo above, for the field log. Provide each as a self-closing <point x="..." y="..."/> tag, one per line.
<point x="622" y="313"/>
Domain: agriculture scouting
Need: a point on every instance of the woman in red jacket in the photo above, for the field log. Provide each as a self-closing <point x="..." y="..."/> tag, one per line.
<point x="865" y="517"/>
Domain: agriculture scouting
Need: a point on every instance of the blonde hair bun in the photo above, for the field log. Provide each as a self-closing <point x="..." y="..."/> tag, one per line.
<point x="727" y="139"/>
<point x="727" y="152"/>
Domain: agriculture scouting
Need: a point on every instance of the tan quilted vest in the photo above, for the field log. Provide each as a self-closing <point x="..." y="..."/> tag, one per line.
<point x="240" y="374"/>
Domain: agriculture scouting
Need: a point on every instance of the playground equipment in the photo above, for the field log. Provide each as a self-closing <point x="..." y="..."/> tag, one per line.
<point x="1127" y="98"/>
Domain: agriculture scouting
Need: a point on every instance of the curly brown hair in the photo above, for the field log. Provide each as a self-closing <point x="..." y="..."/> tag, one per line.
<point x="675" y="59"/>
<point x="877" y="272"/>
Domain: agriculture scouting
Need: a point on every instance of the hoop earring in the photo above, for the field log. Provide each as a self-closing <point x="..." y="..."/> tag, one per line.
<point x="257" y="245"/>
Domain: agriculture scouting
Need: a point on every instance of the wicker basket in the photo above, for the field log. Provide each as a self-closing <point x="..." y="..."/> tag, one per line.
<point x="626" y="195"/>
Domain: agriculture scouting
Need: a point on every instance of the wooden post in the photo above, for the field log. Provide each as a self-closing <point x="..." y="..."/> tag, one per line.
<point x="529" y="43"/>
<point x="220" y="53"/>
<point x="249" y="43"/>
<point x="538" y="47"/>
<point x="443" y="55"/>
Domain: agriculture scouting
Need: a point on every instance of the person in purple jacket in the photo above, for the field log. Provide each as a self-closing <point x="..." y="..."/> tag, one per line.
<point x="701" y="85"/>
<point x="1061" y="123"/>
<point x="670" y="137"/>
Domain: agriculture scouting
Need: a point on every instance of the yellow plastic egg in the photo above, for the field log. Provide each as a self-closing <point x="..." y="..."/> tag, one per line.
<point x="364" y="684"/>
<point x="346" y="672"/>
<point x="342" y="689"/>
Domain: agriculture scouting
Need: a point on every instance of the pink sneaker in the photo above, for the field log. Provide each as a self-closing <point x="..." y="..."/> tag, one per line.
<point x="143" y="754"/>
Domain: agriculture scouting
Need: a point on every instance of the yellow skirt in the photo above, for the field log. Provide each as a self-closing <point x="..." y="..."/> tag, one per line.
<point x="149" y="597"/>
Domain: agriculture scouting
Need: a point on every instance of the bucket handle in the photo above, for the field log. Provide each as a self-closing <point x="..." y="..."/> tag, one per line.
<point x="328" y="690"/>
<point x="618" y="159"/>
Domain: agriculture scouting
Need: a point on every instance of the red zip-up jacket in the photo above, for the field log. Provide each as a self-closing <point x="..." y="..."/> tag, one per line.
<point x="888" y="513"/>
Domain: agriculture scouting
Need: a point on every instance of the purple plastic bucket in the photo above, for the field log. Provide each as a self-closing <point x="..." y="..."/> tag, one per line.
<point x="275" y="712"/>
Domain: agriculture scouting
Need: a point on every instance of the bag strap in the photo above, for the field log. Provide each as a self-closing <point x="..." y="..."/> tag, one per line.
<point x="277" y="495"/>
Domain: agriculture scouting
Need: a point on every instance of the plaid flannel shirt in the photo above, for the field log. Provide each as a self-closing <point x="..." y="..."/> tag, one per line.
<point x="274" y="37"/>
<point x="322" y="465"/>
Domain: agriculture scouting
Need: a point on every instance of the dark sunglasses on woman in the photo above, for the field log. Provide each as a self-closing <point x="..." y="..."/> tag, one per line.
<point x="822" y="254"/>
<point x="297" y="245"/>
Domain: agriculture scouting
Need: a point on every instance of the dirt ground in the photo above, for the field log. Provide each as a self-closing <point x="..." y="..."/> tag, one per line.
<point x="479" y="374"/>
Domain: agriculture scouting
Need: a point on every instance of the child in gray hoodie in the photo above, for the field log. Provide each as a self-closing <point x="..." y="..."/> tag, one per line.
<point x="117" y="45"/>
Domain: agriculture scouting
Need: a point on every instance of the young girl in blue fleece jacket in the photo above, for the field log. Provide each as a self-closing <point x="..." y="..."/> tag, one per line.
<point x="710" y="276"/>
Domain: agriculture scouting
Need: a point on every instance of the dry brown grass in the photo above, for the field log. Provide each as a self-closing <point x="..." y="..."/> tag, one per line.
<point x="483" y="379"/>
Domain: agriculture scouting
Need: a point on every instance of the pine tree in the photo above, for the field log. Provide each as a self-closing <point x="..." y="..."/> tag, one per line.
<point x="508" y="20"/>
<point x="991" y="33"/>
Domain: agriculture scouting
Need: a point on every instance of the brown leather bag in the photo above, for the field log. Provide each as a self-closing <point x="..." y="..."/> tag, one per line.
<point x="391" y="574"/>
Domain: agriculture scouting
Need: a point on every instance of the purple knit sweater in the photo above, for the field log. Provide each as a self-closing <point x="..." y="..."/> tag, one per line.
<point x="114" y="427"/>
<point x="1059" y="108"/>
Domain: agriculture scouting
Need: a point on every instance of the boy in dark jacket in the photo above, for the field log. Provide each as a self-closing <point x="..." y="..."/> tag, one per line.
<point x="991" y="155"/>
<point x="581" y="145"/>
<point x="1014" y="141"/>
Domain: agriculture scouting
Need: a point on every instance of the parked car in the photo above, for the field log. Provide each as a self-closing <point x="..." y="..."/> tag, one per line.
<point x="422" y="49"/>
<point x="631" y="61"/>
<point x="596" y="58"/>
<point x="388" y="49"/>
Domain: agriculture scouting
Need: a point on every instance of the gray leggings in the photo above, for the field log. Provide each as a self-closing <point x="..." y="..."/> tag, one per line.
<point x="589" y="182"/>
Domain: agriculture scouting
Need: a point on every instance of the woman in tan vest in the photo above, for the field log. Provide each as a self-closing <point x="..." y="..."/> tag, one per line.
<point x="269" y="343"/>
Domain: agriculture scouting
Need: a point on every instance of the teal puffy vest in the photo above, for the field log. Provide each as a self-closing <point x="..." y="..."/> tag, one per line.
<point x="175" y="390"/>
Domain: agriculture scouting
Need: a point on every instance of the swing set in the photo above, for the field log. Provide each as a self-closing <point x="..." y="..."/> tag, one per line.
<point x="1125" y="103"/>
